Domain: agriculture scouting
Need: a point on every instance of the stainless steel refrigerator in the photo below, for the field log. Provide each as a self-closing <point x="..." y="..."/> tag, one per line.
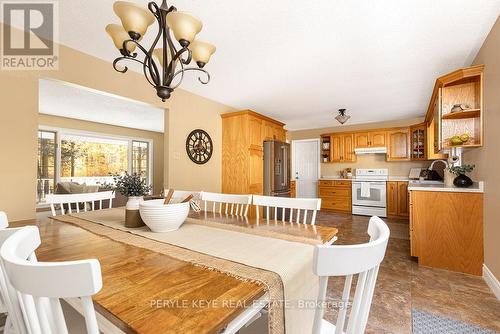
<point x="276" y="168"/>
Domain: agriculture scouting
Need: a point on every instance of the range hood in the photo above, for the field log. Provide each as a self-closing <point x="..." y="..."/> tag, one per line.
<point x="371" y="150"/>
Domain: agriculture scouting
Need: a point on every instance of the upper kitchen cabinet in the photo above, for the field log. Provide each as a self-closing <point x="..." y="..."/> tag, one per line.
<point x="370" y="139"/>
<point x="398" y="148"/>
<point x="456" y="109"/>
<point x="418" y="142"/>
<point x="338" y="147"/>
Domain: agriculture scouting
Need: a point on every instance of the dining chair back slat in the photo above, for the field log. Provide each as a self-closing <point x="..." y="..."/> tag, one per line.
<point x="75" y="200"/>
<point x="41" y="285"/>
<point x="228" y="204"/>
<point x="350" y="260"/>
<point x="301" y="206"/>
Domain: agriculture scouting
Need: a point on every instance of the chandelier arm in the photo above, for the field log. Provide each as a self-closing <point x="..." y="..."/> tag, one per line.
<point x="125" y="68"/>
<point x="149" y="59"/>
<point x="178" y="56"/>
<point x="194" y="69"/>
<point x="146" y="62"/>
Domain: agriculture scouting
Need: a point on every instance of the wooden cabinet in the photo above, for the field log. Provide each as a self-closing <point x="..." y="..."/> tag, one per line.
<point x="418" y="142"/>
<point x="243" y="136"/>
<point x="397" y="199"/>
<point x="293" y="189"/>
<point x="370" y="139"/>
<point x="446" y="230"/>
<point x="342" y="148"/>
<point x="336" y="195"/>
<point x="398" y="148"/>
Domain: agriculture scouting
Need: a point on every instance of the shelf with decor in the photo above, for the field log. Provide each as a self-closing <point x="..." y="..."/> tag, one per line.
<point x="326" y="151"/>
<point x="458" y="97"/>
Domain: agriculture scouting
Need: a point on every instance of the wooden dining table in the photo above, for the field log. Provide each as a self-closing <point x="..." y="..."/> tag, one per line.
<point x="148" y="292"/>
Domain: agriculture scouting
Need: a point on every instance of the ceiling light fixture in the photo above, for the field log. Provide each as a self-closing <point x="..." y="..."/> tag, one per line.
<point x="168" y="73"/>
<point x="342" y="117"/>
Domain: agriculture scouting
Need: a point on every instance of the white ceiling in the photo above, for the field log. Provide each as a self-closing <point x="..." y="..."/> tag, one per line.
<point x="299" y="61"/>
<point x="68" y="100"/>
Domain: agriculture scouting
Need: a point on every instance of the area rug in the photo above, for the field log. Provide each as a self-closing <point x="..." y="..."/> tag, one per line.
<point x="430" y="323"/>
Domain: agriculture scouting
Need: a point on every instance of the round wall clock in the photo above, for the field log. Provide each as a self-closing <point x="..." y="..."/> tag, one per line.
<point x="199" y="146"/>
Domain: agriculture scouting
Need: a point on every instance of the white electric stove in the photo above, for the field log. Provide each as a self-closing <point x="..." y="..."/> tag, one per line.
<point x="369" y="192"/>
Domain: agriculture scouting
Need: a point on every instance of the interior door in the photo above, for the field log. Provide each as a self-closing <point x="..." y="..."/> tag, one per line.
<point x="306" y="154"/>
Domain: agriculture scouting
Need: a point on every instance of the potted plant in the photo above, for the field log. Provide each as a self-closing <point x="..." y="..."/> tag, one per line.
<point x="462" y="180"/>
<point x="134" y="187"/>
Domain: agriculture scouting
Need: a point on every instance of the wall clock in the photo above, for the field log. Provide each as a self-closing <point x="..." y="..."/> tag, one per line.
<point x="199" y="146"/>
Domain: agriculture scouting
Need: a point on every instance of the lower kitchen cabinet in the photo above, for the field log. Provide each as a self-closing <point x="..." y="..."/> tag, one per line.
<point x="397" y="199"/>
<point x="336" y="195"/>
<point x="293" y="189"/>
<point x="446" y="230"/>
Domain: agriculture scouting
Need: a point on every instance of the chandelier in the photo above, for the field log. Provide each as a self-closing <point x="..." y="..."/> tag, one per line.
<point x="163" y="67"/>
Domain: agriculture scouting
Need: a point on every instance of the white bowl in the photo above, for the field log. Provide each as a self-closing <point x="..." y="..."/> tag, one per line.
<point x="163" y="218"/>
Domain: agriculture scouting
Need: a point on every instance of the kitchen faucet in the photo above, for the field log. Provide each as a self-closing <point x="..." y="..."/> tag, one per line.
<point x="443" y="161"/>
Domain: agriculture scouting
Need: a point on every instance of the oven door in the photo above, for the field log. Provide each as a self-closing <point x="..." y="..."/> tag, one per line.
<point x="377" y="196"/>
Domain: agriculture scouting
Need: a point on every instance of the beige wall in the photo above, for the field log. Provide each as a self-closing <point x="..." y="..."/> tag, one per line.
<point x="487" y="159"/>
<point x="156" y="137"/>
<point x="363" y="161"/>
<point x="19" y="123"/>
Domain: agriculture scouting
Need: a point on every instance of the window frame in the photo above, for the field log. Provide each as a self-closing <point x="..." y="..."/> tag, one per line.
<point x="60" y="132"/>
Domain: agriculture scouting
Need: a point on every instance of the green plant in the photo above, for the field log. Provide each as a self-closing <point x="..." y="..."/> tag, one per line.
<point x="462" y="170"/>
<point x="131" y="185"/>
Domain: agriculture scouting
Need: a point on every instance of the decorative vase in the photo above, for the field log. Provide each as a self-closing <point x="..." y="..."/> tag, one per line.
<point x="448" y="178"/>
<point x="132" y="216"/>
<point x="462" y="181"/>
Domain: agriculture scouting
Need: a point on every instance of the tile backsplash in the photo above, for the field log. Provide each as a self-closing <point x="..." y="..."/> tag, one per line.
<point x="396" y="168"/>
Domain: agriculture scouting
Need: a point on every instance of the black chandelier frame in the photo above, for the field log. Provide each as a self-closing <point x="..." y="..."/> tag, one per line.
<point x="161" y="77"/>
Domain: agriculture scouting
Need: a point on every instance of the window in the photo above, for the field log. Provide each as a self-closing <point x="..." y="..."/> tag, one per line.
<point x="140" y="158"/>
<point x="68" y="155"/>
<point x="91" y="160"/>
<point x="46" y="171"/>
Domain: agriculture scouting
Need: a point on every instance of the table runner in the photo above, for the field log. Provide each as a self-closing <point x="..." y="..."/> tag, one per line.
<point x="283" y="267"/>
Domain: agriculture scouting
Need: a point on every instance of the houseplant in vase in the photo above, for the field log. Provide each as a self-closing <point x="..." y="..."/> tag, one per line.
<point x="462" y="180"/>
<point x="134" y="187"/>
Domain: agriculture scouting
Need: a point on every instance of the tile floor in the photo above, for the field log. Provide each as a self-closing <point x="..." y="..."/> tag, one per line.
<point x="403" y="285"/>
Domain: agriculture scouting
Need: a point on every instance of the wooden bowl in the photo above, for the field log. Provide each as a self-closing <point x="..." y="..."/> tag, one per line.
<point x="161" y="217"/>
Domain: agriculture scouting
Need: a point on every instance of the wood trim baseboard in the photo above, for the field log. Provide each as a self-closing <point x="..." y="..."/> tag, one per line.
<point x="492" y="281"/>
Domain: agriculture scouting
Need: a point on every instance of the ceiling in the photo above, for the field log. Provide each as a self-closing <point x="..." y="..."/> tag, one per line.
<point x="68" y="100"/>
<point x="300" y="61"/>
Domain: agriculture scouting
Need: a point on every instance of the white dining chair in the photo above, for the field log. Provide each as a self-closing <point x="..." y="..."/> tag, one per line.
<point x="283" y="206"/>
<point x="227" y="203"/>
<point x="74" y="200"/>
<point x="349" y="260"/>
<point x="37" y="287"/>
<point x="4" y="222"/>
<point x="4" y="302"/>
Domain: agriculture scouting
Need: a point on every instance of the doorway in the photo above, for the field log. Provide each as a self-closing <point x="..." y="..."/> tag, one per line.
<point x="306" y="167"/>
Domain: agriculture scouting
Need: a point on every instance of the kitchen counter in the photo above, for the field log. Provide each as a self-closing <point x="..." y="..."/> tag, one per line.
<point x="391" y="178"/>
<point x="477" y="187"/>
<point x="399" y="178"/>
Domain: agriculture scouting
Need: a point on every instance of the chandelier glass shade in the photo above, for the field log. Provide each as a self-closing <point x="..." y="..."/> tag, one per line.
<point x="168" y="58"/>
